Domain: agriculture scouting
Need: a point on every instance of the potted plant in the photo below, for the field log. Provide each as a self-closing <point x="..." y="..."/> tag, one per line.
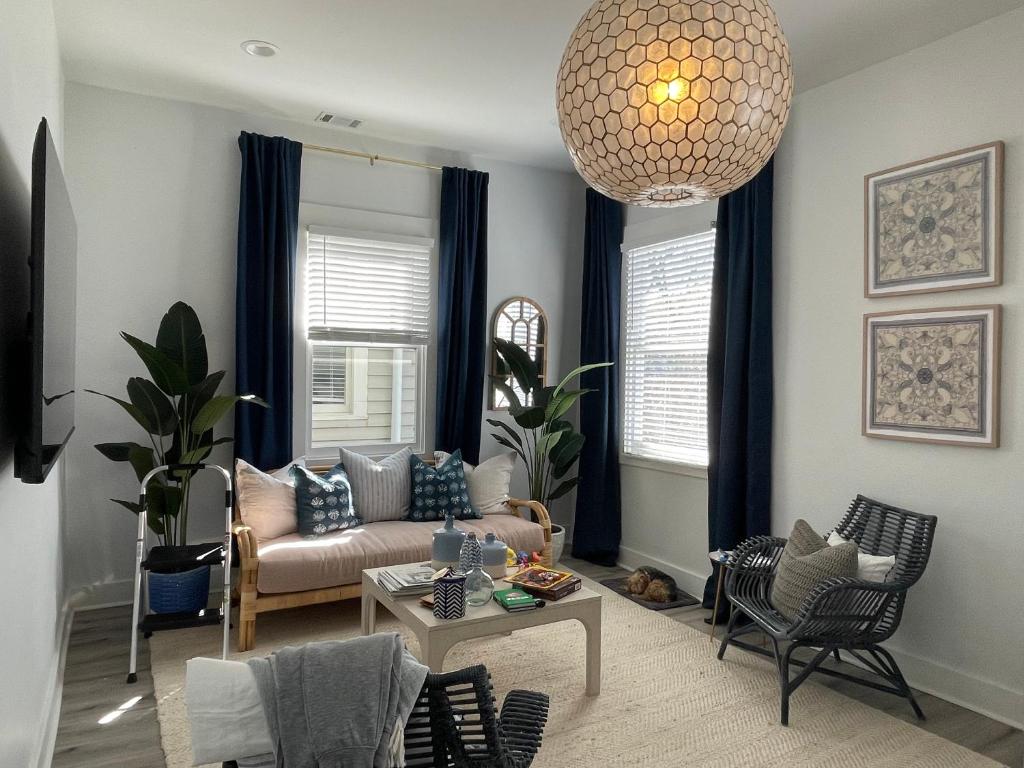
<point x="177" y="407"/>
<point x="546" y="441"/>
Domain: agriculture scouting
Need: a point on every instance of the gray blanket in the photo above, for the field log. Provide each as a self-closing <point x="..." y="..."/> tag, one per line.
<point x="338" y="703"/>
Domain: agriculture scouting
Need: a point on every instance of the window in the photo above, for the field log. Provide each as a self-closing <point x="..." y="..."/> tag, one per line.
<point x="330" y="362"/>
<point x="368" y="320"/>
<point x="668" y="307"/>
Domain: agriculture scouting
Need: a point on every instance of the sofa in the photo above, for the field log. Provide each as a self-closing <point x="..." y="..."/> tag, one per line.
<point x="288" y="571"/>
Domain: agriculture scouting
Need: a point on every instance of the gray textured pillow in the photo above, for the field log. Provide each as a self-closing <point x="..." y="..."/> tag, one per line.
<point x="381" y="489"/>
<point x="806" y="561"/>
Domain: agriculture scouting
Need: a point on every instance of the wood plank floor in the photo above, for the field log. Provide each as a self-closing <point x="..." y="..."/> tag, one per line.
<point x="97" y="662"/>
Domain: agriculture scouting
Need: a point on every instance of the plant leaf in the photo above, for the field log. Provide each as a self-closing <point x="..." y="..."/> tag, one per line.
<point x="529" y="416"/>
<point x="163" y="500"/>
<point x="153" y="404"/>
<point x="503" y="441"/>
<point x="142" y="459"/>
<point x="577" y="371"/>
<point x="523" y="368"/>
<point x="542" y="396"/>
<point x="131" y="506"/>
<point x="130" y="409"/>
<point x="217" y="408"/>
<point x="181" y="338"/>
<point x="566" y="453"/>
<point x="510" y="394"/>
<point x="203" y="392"/>
<point x="512" y="433"/>
<point x="166" y="373"/>
<point x="117" y="451"/>
<point x="561" y="403"/>
<point x="563" y="488"/>
<point x="559" y="425"/>
<point x="547" y="442"/>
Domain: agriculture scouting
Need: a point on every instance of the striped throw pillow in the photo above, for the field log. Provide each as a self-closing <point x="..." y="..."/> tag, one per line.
<point x="381" y="489"/>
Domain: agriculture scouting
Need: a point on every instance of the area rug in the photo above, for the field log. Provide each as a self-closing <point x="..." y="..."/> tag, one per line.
<point x="618" y="586"/>
<point x="665" y="699"/>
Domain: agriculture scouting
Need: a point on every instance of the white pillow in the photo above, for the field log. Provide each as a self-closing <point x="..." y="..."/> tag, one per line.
<point x="869" y="567"/>
<point x="225" y="711"/>
<point x="488" y="483"/>
<point x="266" y="502"/>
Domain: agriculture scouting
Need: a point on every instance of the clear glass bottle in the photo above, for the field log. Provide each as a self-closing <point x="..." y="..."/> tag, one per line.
<point x="479" y="586"/>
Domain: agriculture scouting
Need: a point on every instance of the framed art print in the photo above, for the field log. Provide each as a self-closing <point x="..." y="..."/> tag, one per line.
<point x="935" y="225"/>
<point x="933" y="375"/>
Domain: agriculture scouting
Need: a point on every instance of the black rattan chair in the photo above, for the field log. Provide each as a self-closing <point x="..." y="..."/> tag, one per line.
<point x="840" y="614"/>
<point x="455" y="725"/>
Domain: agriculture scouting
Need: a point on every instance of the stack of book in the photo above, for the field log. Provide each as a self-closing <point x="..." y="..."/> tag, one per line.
<point x="546" y="583"/>
<point x="515" y="600"/>
<point x="407" y="580"/>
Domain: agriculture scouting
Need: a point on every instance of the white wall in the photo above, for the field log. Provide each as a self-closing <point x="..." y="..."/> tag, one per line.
<point x="156" y="190"/>
<point x="961" y="633"/>
<point x="31" y="581"/>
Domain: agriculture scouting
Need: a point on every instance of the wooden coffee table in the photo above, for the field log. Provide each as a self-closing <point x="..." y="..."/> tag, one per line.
<point x="437" y="636"/>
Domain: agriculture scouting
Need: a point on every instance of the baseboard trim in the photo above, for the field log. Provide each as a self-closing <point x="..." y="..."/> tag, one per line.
<point x="48" y="736"/>
<point x="111" y="594"/>
<point x="690" y="581"/>
<point x="985" y="697"/>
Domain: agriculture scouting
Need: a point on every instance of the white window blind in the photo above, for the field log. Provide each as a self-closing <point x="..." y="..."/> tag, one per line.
<point x="668" y="307"/>
<point x="329" y="373"/>
<point x="370" y="291"/>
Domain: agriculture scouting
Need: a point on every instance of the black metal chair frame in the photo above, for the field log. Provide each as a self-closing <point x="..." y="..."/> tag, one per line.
<point x="840" y="614"/>
<point x="455" y="724"/>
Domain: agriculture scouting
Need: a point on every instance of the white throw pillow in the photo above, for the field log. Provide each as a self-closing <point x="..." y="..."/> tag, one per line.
<point x="869" y="567"/>
<point x="266" y="502"/>
<point x="488" y="482"/>
<point x="225" y="711"/>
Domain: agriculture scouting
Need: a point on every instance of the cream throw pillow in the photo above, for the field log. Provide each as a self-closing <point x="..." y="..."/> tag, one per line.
<point x="488" y="482"/>
<point x="266" y="502"/>
<point x="869" y="567"/>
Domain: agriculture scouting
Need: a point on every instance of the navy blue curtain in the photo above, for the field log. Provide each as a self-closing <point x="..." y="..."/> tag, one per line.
<point x="268" y="222"/>
<point x="461" y="312"/>
<point x="740" y="370"/>
<point x="598" y="526"/>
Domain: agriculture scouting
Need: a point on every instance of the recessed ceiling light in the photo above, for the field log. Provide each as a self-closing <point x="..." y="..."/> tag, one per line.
<point x="259" y="48"/>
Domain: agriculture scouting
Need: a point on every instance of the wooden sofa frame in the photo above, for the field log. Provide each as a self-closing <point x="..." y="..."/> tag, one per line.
<point x="253" y="602"/>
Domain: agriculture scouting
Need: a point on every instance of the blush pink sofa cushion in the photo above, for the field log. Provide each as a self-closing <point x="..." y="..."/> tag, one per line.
<point x="291" y="563"/>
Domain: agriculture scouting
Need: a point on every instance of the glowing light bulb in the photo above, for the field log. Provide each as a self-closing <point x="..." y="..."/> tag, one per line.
<point x="678" y="89"/>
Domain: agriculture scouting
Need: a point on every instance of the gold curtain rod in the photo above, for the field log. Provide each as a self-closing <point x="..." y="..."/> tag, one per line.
<point x="372" y="158"/>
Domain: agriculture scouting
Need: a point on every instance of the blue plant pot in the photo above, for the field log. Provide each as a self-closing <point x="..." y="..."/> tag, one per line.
<point x="185" y="592"/>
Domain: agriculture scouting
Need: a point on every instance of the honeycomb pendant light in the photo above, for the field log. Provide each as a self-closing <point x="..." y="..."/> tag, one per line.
<point x="673" y="102"/>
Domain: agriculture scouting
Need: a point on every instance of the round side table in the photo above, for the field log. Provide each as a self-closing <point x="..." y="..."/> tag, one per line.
<point x="724" y="561"/>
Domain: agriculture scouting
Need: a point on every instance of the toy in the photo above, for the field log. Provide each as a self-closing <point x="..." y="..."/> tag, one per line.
<point x="510" y="557"/>
<point x="524" y="559"/>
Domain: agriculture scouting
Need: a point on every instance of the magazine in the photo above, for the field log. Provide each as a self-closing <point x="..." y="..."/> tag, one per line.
<point x="410" y="579"/>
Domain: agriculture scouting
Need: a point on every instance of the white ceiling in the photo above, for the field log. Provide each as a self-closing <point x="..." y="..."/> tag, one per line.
<point x="471" y="75"/>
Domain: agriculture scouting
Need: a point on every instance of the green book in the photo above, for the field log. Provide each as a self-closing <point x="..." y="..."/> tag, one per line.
<point x="513" y="600"/>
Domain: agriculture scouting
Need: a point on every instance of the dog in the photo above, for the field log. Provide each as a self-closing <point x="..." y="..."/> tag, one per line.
<point x="649" y="583"/>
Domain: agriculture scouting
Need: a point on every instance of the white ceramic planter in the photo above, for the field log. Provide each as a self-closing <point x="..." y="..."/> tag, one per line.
<point x="557" y="543"/>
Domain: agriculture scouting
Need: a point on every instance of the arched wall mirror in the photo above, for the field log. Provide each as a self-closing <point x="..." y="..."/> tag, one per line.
<point x="521" y="321"/>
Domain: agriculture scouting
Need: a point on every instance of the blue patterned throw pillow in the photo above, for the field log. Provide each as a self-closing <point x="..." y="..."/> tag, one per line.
<point x="323" y="504"/>
<point x="436" y="491"/>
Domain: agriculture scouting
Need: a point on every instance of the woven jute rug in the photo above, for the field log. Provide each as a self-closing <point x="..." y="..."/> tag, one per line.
<point x="665" y="699"/>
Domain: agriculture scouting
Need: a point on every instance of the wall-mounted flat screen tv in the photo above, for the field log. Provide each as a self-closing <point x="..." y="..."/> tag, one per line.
<point x="50" y="365"/>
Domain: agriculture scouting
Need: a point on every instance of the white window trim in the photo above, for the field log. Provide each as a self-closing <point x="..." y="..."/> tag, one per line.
<point x="649" y="233"/>
<point x="351" y="222"/>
